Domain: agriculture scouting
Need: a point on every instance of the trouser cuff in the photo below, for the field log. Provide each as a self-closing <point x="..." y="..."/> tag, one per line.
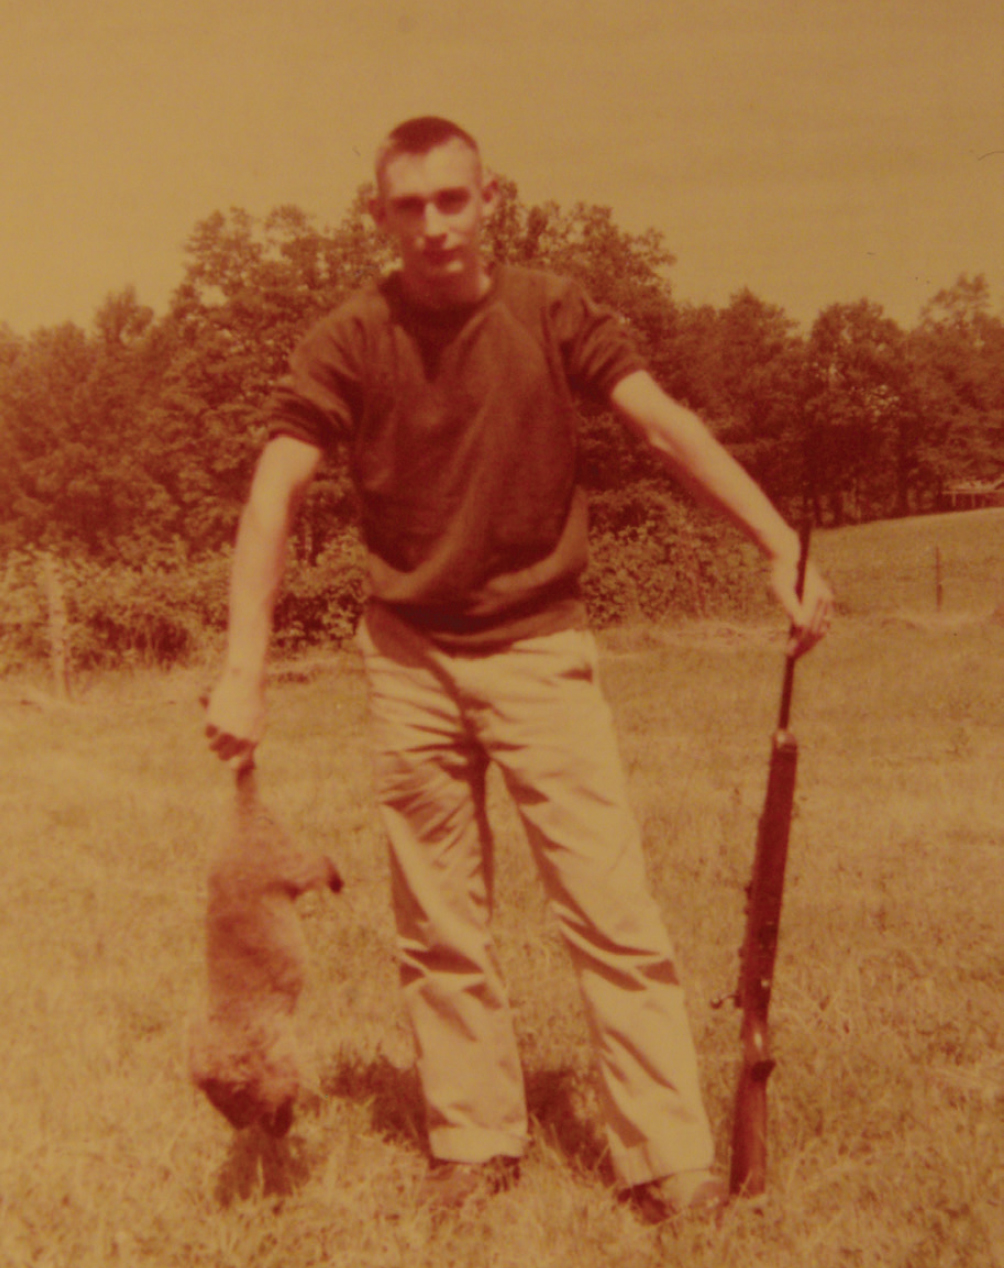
<point x="689" y="1151"/>
<point x="472" y="1144"/>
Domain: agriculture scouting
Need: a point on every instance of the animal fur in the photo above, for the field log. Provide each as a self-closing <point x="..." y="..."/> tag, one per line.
<point x="243" y="1051"/>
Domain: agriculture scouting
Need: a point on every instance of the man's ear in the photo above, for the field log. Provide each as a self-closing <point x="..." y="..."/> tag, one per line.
<point x="489" y="194"/>
<point x="375" y="206"/>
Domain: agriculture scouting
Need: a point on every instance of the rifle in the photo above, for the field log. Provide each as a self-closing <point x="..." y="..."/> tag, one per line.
<point x="763" y="914"/>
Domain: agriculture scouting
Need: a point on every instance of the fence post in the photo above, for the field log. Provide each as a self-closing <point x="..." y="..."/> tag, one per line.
<point x="59" y="656"/>
<point x="938" y="592"/>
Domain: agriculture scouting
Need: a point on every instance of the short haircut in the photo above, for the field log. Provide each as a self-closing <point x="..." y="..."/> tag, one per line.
<point x="419" y="136"/>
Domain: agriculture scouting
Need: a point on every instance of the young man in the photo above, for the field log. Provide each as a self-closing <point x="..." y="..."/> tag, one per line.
<point x="451" y="381"/>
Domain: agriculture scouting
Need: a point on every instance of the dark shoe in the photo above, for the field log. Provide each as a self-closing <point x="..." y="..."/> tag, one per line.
<point x="450" y="1185"/>
<point x="686" y="1193"/>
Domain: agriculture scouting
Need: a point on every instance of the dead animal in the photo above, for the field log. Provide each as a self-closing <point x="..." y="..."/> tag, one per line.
<point x="243" y="1051"/>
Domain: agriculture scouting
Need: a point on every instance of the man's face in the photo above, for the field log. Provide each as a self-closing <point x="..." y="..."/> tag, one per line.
<point x="433" y="205"/>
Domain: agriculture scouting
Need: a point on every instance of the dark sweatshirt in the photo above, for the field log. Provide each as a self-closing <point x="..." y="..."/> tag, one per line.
<point x="461" y="428"/>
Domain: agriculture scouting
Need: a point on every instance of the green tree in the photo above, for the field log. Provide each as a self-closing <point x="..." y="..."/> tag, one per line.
<point x="45" y="453"/>
<point x="74" y="409"/>
<point x="11" y="347"/>
<point x="957" y="353"/>
<point x="856" y="410"/>
<point x="752" y="360"/>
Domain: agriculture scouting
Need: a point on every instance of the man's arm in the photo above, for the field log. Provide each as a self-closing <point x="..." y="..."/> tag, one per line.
<point x="691" y="453"/>
<point x="235" y="719"/>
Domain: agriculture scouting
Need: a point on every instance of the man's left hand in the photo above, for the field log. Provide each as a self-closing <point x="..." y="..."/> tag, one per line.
<point x="811" y="616"/>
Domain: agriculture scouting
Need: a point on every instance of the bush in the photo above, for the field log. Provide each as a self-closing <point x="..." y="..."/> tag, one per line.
<point x="160" y="614"/>
<point x="171" y="609"/>
<point x="321" y="602"/>
<point x="675" y="563"/>
<point x="23" y="612"/>
<point x="157" y="614"/>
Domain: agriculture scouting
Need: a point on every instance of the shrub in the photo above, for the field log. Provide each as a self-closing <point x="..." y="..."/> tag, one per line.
<point x="170" y="609"/>
<point x="23" y="612"/>
<point x="162" y="613"/>
<point x="156" y="614"/>
<point x="321" y="602"/>
<point x="675" y="563"/>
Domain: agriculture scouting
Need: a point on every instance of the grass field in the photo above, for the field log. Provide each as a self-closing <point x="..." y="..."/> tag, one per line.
<point x="887" y="1127"/>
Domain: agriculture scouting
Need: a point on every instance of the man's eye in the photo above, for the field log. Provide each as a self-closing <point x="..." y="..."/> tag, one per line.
<point x="454" y="201"/>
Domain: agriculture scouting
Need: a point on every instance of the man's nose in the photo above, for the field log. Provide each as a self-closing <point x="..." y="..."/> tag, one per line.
<point x="435" y="221"/>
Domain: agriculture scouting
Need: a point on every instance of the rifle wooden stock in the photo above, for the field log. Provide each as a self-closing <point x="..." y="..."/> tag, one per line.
<point x="748" y="1171"/>
<point x="749" y="1130"/>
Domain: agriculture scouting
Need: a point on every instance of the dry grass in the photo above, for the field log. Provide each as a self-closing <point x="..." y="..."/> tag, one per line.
<point x="887" y="1130"/>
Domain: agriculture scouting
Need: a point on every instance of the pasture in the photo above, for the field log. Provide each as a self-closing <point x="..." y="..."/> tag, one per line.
<point x="887" y="1105"/>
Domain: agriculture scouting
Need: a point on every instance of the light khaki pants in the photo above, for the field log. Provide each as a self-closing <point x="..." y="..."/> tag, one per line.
<point x="536" y="710"/>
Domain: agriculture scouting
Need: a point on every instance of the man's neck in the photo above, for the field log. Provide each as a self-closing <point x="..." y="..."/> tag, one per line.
<point x="461" y="292"/>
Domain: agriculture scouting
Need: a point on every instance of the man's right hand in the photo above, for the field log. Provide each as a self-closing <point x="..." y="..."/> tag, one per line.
<point x="235" y="719"/>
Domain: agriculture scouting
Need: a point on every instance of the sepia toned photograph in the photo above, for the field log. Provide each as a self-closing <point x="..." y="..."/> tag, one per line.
<point x="501" y="634"/>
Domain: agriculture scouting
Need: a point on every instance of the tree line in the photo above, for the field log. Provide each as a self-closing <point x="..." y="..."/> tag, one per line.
<point x="129" y="447"/>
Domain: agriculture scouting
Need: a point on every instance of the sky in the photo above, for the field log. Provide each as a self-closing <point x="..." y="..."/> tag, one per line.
<point x="814" y="151"/>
